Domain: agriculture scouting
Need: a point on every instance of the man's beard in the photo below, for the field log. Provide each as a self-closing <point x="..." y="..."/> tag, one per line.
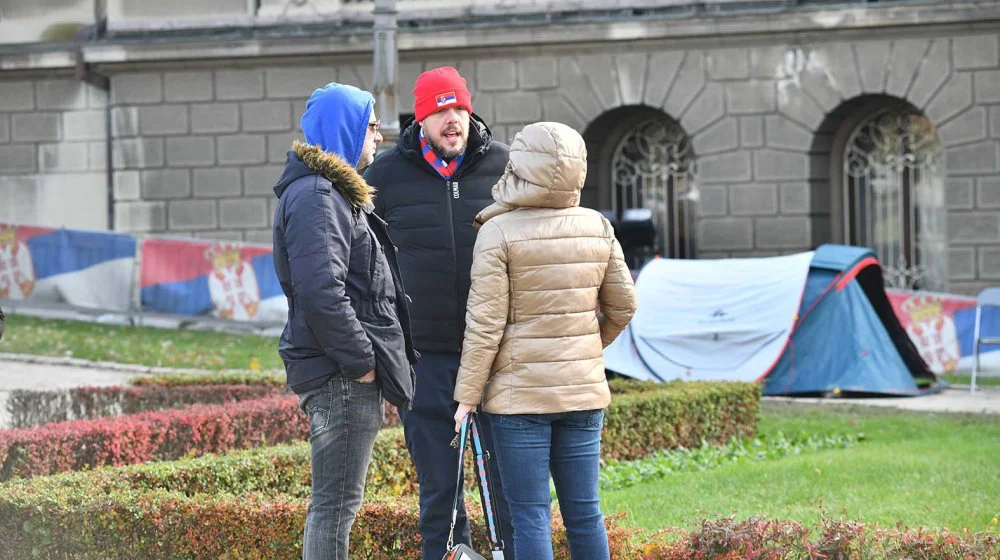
<point x="444" y="154"/>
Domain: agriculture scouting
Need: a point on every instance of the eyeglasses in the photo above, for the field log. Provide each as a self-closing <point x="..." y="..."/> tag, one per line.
<point x="375" y="126"/>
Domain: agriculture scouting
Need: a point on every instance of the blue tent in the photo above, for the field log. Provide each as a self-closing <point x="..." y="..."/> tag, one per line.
<point x="814" y="323"/>
<point x="846" y="338"/>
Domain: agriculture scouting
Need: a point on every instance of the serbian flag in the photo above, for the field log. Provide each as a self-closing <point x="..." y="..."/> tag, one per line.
<point x="225" y="280"/>
<point x="446" y="99"/>
<point x="941" y="327"/>
<point x="87" y="269"/>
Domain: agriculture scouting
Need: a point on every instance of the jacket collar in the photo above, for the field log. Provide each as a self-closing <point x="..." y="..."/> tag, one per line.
<point x="332" y="167"/>
<point x="480" y="137"/>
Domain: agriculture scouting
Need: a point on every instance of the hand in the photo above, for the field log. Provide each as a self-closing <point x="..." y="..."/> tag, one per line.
<point x="368" y="377"/>
<point x="461" y="413"/>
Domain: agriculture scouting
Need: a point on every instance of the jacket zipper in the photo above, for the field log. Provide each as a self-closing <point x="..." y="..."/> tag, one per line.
<point x="453" y="193"/>
<point x="373" y="259"/>
<point x="453" y="187"/>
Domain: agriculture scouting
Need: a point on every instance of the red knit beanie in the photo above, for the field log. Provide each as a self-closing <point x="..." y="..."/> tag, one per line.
<point x="438" y="89"/>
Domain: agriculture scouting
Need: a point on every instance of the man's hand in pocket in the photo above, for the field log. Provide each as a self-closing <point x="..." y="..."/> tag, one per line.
<point x="368" y="377"/>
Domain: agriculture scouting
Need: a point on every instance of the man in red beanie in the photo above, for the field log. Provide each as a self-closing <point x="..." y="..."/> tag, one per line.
<point x="430" y="187"/>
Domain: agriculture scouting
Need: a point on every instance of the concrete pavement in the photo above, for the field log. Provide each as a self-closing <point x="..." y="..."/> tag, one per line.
<point x="986" y="400"/>
<point x="16" y="374"/>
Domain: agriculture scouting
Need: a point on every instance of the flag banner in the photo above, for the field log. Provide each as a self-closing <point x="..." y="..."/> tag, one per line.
<point x="941" y="326"/>
<point x="226" y="280"/>
<point x="87" y="269"/>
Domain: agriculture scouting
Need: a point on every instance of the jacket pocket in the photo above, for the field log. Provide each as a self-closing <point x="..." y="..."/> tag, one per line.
<point x="393" y="372"/>
<point x="377" y="312"/>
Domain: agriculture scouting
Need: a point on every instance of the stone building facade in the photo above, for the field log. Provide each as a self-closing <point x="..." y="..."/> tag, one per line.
<point x="754" y="128"/>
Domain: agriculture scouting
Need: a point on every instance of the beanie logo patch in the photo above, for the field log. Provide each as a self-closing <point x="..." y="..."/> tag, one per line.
<point x="446" y="99"/>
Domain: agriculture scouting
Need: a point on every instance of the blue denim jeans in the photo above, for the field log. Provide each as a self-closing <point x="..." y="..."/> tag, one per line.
<point x="528" y="448"/>
<point x="344" y="418"/>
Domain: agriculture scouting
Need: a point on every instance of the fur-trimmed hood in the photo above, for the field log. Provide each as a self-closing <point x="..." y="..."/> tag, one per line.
<point x="304" y="159"/>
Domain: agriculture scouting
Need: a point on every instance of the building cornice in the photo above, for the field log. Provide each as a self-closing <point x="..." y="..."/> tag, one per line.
<point x="521" y="34"/>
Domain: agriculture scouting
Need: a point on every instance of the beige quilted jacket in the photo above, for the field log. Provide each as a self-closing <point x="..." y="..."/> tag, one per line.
<point x="533" y="341"/>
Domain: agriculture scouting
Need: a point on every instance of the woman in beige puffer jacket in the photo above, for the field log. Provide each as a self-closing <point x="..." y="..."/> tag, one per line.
<point x="533" y="349"/>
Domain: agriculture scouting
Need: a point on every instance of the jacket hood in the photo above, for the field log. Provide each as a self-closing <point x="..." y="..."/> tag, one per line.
<point x="547" y="169"/>
<point x="304" y="160"/>
<point x="336" y="120"/>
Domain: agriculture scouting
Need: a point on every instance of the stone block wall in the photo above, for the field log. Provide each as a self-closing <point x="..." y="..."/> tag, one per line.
<point x="196" y="151"/>
<point x="752" y="160"/>
<point x="972" y="133"/>
<point x="763" y="119"/>
<point x="53" y="153"/>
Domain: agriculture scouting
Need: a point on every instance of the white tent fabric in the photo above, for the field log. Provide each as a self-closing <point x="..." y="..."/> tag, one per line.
<point x="725" y="319"/>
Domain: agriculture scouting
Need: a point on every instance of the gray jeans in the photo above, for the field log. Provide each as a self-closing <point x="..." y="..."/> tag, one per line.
<point x="344" y="418"/>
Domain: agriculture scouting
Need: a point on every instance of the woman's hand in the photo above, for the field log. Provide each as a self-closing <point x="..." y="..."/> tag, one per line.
<point x="461" y="413"/>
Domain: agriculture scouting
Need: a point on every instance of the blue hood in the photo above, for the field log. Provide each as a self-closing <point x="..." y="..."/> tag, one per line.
<point x="336" y="120"/>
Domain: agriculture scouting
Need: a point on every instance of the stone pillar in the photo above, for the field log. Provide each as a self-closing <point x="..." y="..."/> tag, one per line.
<point x="386" y="74"/>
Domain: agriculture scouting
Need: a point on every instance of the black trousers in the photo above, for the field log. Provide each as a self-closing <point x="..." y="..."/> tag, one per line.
<point x="429" y="429"/>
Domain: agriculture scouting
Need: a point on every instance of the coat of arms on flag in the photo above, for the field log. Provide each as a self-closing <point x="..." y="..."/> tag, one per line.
<point x="446" y="99"/>
<point x="232" y="283"/>
<point x="933" y="331"/>
<point x="17" y="271"/>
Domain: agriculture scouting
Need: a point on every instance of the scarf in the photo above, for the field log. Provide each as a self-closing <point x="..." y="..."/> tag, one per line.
<point x="445" y="169"/>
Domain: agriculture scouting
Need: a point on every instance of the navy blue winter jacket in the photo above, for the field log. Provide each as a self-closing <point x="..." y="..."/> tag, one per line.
<point x="432" y="221"/>
<point x="347" y="311"/>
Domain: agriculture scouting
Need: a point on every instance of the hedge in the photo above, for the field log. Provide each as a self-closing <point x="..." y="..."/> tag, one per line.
<point x="677" y="415"/>
<point x="280" y="469"/>
<point x="269" y="379"/>
<point x="152" y="436"/>
<point x="833" y="539"/>
<point x="162" y="524"/>
<point x="251" y="504"/>
<point x="219" y="378"/>
<point x="29" y="408"/>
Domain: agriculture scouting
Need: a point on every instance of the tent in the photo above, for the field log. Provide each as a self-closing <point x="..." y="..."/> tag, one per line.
<point x="812" y="323"/>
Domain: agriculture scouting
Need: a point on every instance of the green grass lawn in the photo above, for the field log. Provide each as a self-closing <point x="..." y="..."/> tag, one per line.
<point x="924" y="470"/>
<point x="138" y="345"/>
<point x="919" y="469"/>
<point x="967" y="379"/>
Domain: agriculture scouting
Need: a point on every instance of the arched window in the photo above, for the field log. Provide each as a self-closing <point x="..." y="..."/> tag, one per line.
<point x="893" y="196"/>
<point x="653" y="166"/>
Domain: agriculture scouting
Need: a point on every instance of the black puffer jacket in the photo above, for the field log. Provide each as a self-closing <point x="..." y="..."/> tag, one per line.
<point x="347" y="310"/>
<point x="431" y="221"/>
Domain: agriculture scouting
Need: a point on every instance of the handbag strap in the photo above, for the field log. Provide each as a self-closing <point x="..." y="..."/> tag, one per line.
<point x="460" y="440"/>
<point x="482" y="457"/>
<point x="485" y="486"/>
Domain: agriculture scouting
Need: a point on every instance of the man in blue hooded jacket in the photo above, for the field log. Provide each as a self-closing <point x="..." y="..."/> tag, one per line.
<point x="346" y="344"/>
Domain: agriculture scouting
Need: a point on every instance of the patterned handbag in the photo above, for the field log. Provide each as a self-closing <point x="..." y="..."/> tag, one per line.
<point x="462" y="551"/>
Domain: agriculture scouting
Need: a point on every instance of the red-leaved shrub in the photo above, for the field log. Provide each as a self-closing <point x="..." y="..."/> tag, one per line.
<point x="152" y="436"/>
<point x="766" y="539"/>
